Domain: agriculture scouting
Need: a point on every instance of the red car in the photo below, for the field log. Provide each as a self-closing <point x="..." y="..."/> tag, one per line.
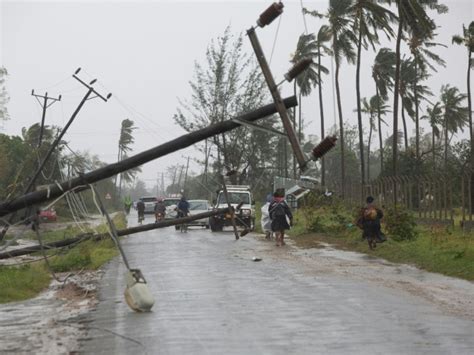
<point x="48" y="215"/>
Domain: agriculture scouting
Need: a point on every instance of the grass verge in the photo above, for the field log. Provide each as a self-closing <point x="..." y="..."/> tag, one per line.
<point x="22" y="282"/>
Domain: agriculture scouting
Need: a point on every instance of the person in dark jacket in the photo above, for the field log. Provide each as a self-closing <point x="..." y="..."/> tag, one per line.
<point x="141" y="211"/>
<point x="279" y="211"/>
<point x="160" y="210"/>
<point x="369" y="221"/>
<point x="183" y="207"/>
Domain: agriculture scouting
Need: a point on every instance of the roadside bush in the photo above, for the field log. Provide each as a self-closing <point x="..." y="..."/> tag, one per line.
<point x="400" y="224"/>
<point x="322" y="213"/>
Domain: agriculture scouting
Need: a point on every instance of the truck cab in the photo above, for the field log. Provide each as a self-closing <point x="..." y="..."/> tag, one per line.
<point x="245" y="217"/>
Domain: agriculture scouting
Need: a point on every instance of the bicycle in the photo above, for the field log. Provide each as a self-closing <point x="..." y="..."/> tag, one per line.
<point x="183" y="227"/>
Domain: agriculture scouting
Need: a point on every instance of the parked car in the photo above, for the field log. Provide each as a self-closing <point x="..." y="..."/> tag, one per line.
<point x="150" y="203"/>
<point x="171" y="203"/>
<point x="199" y="206"/>
<point x="48" y="215"/>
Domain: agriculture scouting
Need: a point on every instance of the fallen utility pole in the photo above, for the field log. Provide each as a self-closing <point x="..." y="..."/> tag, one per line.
<point x="56" y="190"/>
<point x="120" y="232"/>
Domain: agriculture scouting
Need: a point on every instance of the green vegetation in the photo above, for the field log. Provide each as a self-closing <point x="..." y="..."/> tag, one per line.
<point x="26" y="281"/>
<point x="438" y="249"/>
<point x="21" y="283"/>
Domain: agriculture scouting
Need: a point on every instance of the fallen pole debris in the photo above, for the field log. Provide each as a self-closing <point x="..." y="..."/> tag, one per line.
<point x="120" y="233"/>
<point x="56" y="190"/>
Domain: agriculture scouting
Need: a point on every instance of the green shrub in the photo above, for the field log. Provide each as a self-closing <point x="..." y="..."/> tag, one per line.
<point x="400" y="224"/>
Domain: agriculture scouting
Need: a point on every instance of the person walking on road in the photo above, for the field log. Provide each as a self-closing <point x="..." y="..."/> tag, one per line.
<point x="141" y="211"/>
<point x="265" y="221"/>
<point x="279" y="211"/>
<point x="369" y="221"/>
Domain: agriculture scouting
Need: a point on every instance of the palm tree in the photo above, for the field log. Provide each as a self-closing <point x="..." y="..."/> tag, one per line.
<point x="342" y="39"/>
<point x="455" y="115"/>
<point x="374" y="108"/>
<point x="412" y="17"/>
<point x="467" y="39"/>
<point x="314" y="47"/>
<point x="383" y="73"/>
<point x="435" y="117"/>
<point x="409" y="93"/>
<point x="124" y="145"/>
<point x="369" y="18"/>
<point x="308" y="47"/>
<point x="422" y="56"/>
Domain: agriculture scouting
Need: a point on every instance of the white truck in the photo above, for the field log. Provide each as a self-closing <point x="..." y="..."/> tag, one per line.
<point x="244" y="217"/>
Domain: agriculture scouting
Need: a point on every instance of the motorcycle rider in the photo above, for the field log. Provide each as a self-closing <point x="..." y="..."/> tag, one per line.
<point x="160" y="210"/>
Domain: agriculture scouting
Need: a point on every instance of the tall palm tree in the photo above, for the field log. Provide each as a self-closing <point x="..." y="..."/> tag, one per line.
<point x="409" y="93"/>
<point x="309" y="46"/>
<point x="412" y="17"/>
<point x="374" y="108"/>
<point x="369" y="18"/>
<point x="434" y="115"/>
<point x="314" y="46"/>
<point x="383" y="73"/>
<point x="342" y="40"/>
<point x="420" y="44"/>
<point x="467" y="39"/>
<point x="124" y="145"/>
<point x="455" y="115"/>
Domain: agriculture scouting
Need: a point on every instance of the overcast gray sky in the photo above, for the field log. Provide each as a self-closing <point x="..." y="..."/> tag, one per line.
<point x="143" y="52"/>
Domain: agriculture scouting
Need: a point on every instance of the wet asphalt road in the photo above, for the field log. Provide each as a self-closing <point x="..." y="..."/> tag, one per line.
<point x="211" y="298"/>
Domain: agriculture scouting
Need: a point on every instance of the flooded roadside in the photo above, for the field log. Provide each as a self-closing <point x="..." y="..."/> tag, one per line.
<point x="51" y="322"/>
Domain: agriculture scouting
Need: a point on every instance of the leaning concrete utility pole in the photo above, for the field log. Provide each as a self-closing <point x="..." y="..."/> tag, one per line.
<point x="266" y="18"/>
<point x="86" y="97"/>
<point x="56" y="190"/>
<point x="44" y="105"/>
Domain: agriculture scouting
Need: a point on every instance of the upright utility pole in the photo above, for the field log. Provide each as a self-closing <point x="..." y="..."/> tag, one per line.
<point x="163" y="184"/>
<point x="186" y="175"/>
<point x="179" y="179"/>
<point x="44" y="104"/>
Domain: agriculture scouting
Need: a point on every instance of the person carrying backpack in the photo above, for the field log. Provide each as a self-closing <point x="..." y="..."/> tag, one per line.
<point x="369" y="221"/>
<point x="279" y="211"/>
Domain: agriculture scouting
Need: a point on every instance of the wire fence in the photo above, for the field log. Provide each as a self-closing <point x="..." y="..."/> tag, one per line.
<point x="437" y="198"/>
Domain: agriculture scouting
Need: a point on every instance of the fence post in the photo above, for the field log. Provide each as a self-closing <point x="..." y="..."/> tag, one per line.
<point x="463" y="202"/>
